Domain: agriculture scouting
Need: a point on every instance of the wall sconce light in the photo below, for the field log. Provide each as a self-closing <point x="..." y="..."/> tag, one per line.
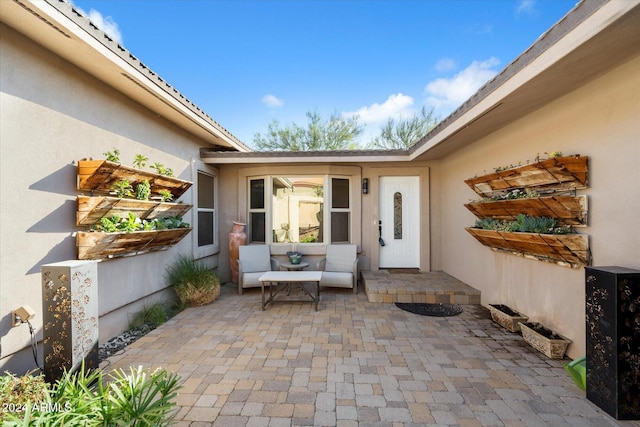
<point x="365" y="186"/>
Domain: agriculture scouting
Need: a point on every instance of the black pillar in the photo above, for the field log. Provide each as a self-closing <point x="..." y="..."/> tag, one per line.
<point x="613" y="340"/>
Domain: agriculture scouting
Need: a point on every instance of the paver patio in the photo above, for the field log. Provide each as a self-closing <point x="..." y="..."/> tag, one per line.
<point x="355" y="363"/>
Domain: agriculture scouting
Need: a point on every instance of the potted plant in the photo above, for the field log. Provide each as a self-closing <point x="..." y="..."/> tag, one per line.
<point x="544" y="340"/>
<point x="506" y="317"/>
<point x="294" y="256"/>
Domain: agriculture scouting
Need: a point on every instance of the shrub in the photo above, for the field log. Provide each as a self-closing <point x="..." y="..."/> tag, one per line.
<point x="87" y="398"/>
<point x="153" y="316"/>
<point x="194" y="283"/>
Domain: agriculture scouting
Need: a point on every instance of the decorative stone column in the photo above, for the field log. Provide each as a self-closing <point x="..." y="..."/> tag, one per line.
<point x="237" y="237"/>
<point x="70" y="316"/>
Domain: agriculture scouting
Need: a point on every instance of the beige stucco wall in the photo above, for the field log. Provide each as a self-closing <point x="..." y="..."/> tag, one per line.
<point x="365" y="207"/>
<point x="600" y="120"/>
<point x="52" y="115"/>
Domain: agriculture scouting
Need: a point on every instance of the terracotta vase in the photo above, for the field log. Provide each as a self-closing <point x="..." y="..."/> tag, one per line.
<point x="237" y="237"/>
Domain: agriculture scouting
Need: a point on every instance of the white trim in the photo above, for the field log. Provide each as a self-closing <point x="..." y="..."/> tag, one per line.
<point x="197" y="167"/>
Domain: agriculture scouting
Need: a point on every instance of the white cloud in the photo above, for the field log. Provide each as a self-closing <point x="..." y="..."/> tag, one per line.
<point x="272" y="101"/>
<point x="397" y="105"/>
<point x="444" y="65"/>
<point x="108" y="25"/>
<point x="446" y="94"/>
<point x="526" y="6"/>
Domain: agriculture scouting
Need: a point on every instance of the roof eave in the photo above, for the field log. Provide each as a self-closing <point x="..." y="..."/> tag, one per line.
<point x="60" y="28"/>
<point x="539" y="75"/>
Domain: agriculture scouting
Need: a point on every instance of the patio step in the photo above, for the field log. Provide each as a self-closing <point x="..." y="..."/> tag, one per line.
<point x="391" y="286"/>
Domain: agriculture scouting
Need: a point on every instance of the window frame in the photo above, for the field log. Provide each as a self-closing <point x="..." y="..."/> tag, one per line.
<point x="327" y="203"/>
<point x="213" y="248"/>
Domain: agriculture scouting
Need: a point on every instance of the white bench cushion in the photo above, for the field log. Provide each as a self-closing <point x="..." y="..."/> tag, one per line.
<point x="337" y="279"/>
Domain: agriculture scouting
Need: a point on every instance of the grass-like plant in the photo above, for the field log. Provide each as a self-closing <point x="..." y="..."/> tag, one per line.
<point x="88" y="398"/>
<point x="153" y="316"/>
<point x="194" y="283"/>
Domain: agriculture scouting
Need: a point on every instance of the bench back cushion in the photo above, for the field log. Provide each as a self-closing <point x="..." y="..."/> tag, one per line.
<point x="340" y="258"/>
<point x="255" y="258"/>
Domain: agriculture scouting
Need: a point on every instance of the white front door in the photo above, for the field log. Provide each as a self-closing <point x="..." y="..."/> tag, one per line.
<point x="400" y="222"/>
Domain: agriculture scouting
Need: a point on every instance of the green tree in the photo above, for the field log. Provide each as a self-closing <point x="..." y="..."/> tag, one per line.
<point x="403" y="133"/>
<point x="336" y="133"/>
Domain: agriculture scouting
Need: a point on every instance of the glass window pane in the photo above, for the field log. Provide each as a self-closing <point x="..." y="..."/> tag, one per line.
<point x="397" y="216"/>
<point x="280" y="211"/>
<point x="310" y="221"/>
<point x="205" y="191"/>
<point x="339" y="193"/>
<point x="257" y="194"/>
<point x="205" y="228"/>
<point x="339" y="227"/>
<point x="257" y="226"/>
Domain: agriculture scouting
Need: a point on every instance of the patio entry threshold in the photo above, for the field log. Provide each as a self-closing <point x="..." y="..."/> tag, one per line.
<point x="411" y="285"/>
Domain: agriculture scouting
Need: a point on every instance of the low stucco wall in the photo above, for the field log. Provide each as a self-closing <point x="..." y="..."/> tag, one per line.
<point x="52" y="115"/>
<point x="599" y="120"/>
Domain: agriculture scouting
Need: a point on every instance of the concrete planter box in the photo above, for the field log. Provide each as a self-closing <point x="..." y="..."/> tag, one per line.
<point x="506" y="317"/>
<point x="544" y="340"/>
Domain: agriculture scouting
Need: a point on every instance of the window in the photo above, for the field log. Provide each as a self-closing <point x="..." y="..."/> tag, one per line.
<point x="340" y="210"/>
<point x="257" y="211"/>
<point x="206" y="210"/>
<point x="294" y="210"/>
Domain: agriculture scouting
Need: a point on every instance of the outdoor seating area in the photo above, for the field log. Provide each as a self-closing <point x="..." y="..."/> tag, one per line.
<point x="355" y="363"/>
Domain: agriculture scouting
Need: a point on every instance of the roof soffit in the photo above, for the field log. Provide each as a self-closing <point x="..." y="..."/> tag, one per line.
<point x="605" y="35"/>
<point x="58" y="27"/>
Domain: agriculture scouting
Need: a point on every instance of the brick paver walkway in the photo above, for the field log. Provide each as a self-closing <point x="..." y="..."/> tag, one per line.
<point x="355" y="363"/>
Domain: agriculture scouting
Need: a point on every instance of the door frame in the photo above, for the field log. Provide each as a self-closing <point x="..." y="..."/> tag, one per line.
<point x="408" y="243"/>
<point x="371" y="209"/>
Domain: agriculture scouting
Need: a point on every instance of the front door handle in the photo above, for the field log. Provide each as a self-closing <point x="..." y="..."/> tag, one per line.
<point x="380" y="239"/>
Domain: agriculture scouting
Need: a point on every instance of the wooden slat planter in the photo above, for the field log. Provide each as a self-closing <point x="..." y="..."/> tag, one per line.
<point x="91" y="209"/>
<point x="100" y="176"/>
<point x="99" y="245"/>
<point x="565" y="249"/>
<point x="568" y="210"/>
<point x="554" y="174"/>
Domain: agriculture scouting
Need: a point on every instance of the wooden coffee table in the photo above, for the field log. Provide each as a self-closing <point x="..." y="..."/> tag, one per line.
<point x="272" y="278"/>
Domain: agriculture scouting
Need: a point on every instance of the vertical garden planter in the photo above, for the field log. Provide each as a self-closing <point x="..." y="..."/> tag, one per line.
<point x="569" y="249"/>
<point x="99" y="178"/>
<point x="553" y="174"/>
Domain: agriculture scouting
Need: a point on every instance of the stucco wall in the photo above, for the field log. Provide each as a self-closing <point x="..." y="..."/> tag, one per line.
<point x="599" y="120"/>
<point x="52" y="115"/>
<point x="365" y="209"/>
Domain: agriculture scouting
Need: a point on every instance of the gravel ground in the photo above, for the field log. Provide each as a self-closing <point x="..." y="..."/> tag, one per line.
<point x="116" y="344"/>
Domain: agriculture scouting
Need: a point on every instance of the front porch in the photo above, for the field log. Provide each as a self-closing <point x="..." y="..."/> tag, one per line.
<point x="412" y="285"/>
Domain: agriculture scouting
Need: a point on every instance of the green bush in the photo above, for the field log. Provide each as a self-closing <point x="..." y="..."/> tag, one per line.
<point x="87" y="398"/>
<point x="194" y="283"/>
<point x="153" y="316"/>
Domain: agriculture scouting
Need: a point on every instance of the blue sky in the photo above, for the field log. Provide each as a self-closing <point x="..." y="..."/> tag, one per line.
<point x="247" y="63"/>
